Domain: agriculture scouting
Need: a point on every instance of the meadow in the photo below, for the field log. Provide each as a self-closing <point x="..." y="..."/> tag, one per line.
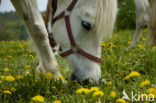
<point x="133" y="71"/>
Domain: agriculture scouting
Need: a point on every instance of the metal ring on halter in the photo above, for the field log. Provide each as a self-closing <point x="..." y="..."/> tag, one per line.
<point x="66" y="12"/>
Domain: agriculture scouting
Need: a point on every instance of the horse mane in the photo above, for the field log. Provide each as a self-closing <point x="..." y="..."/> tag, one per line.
<point x="51" y="4"/>
<point x="105" y="17"/>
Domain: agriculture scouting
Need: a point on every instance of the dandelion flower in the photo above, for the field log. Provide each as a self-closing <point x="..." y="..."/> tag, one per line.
<point x="13" y="89"/>
<point x="132" y="74"/>
<point x="82" y="91"/>
<point x="27" y="73"/>
<point x="57" y="101"/>
<point x="9" y="56"/>
<point x="38" y="98"/>
<point x="140" y="46"/>
<point x="129" y="42"/>
<point x="7" y="92"/>
<point x="113" y="94"/>
<point x="116" y="35"/>
<point x="143" y="39"/>
<point x="120" y="100"/>
<point x="2" y="77"/>
<point x="98" y="94"/>
<point x="60" y="77"/>
<point x="53" y="87"/>
<point x="110" y="44"/>
<point x="9" y="78"/>
<point x="6" y="70"/>
<point x="93" y="89"/>
<point x="48" y="75"/>
<point x="20" y="77"/>
<point x="151" y="91"/>
<point x="27" y="66"/>
<point x="144" y="83"/>
<point x="20" y="45"/>
<point x="31" y="56"/>
<point x="109" y="83"/>
<point x="1" y="82"/>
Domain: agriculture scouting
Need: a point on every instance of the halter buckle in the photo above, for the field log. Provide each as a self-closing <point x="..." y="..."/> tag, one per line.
<point x="66" y="12"/>
<point x="74" y="48"/>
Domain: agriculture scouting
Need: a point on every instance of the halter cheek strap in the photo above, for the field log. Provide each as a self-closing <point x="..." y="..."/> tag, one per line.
<point x="74" y="47"/>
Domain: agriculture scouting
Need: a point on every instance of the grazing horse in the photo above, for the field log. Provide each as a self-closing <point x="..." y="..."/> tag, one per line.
<point x="143" y="12"/>
<point x="78" y="26"/>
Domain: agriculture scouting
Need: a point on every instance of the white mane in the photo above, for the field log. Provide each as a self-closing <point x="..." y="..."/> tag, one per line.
<point x="104" y="21"/>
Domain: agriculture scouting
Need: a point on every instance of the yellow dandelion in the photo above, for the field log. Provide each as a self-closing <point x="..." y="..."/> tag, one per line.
<point x="20" y="45"/>
<point x="116" y="35"/>
<point x="53" y="87"/>
<point x="120" y="100"/>
<point x="151" y="91"/>
<point x="20" y="77"/>
<point x="110" y="44"/>
<point x="57" y="101"/>
<point x="93" y="89"/>
<point x="129" y="42"/>
<point x="140" y="46"/>
<point x="2" y="77"/>
<point x="68" y="71"/>
<point x="27" y="66"/>
<point x="9" y="56"/>
<point x="98" y="94"/>
<point x="13" y="89"/>
<point x="82" y="91"/>
<point x="1" y="82"/>
<point x="27" y="73"/>
<point x="130" y="54"/>
<point x="7" y="92"/>
<point x="154" y="47"/>
<point x="132" y="74"/>
<point x="48" y="75"/>
<point x="103" y="44"/>
<point x="113" y="94"/>
<point x="6" y="70"/>
<point x="38" y="98"/>
<point x="143" y="39"/>
<point x="9" y="78"/>
<point x="144" y="83"/>
<point x="109" y="83"/>
<point x="60" y="77"/>
<point x="31" y="56"/>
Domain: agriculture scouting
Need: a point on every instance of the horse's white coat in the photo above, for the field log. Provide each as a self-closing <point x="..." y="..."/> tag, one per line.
<point x="29" y="12"/>
<point x="101" y="14"/>
<point x="143" y="10"/>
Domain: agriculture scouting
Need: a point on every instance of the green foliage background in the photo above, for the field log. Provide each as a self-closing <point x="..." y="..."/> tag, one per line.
<point x="12" y="27"/>
<point x="126" y="15"/>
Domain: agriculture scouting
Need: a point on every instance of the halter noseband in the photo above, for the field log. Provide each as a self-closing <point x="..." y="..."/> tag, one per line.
<point x="74" y="47"/>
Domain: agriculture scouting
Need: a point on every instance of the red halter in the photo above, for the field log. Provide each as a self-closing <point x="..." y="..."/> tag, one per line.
<point x="74" y="48"/>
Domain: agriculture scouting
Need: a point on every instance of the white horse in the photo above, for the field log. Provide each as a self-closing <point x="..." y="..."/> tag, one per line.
<point x="143" y="12"/>
<point x="88" y="23"/>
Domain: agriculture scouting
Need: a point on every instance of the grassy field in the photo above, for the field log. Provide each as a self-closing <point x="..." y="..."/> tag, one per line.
<point x="132" y="71"/>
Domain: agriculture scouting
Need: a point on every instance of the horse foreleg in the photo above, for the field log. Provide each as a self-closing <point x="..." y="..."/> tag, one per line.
<point x="32" y="18"/>
<point x="152" y="27"/>
<point x="139" y="28"/>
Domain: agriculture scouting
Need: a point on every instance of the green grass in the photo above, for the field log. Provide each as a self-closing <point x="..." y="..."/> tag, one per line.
<point x="117" y="64"/>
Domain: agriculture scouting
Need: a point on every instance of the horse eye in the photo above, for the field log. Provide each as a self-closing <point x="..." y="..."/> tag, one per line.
<point x="86" y="25"/>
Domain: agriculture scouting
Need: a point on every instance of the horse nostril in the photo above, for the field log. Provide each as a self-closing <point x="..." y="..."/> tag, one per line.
<point x="86" y="25"/>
